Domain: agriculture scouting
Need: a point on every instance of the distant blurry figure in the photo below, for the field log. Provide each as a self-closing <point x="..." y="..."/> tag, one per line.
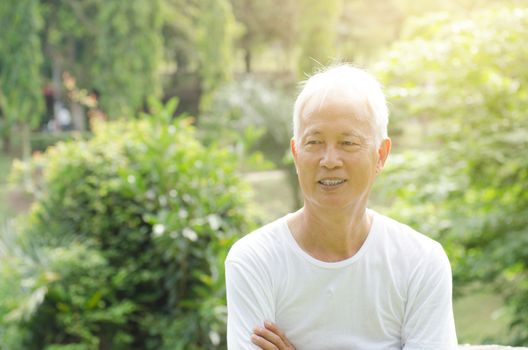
<point x="63" y="117"/>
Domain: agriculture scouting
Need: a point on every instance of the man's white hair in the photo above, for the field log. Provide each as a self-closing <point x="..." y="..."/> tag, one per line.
<point x="354" y="83"/>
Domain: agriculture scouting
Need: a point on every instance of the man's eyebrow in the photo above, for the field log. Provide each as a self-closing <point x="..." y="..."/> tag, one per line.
<point x="312" y="133"/>
<point x="351" y="133"/>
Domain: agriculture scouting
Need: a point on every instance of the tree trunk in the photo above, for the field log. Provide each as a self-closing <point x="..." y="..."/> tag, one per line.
<point x="247" y="60"/>
<point x="78" y="117"/>
<point x="25" y="141"/>
<point x="56" y="68"/>
<point x="6" y="142"/>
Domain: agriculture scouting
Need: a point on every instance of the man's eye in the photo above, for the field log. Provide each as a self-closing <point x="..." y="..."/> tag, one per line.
<point x="349" y="143"/>
<point x="313" y="142"/>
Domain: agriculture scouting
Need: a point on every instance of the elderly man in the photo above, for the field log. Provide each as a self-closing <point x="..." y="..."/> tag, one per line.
<point x="336" y="274"/>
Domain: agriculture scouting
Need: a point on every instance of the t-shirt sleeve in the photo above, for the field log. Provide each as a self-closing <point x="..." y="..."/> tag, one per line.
<point x="429" y="321"/>
<point x="249" y="302"/>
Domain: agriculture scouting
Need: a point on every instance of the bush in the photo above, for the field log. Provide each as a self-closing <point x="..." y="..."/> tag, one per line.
<point x="467" y="84"/>
<point x="42" y="140"/>
<point x="134" y="225"/>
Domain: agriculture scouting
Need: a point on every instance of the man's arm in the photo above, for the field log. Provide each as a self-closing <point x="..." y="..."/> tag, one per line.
<point x="249" y="302"/>
<point x="429" y="322"/>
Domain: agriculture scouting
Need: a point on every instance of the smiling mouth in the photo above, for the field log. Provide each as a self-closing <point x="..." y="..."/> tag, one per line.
<point x="331" y="182"/>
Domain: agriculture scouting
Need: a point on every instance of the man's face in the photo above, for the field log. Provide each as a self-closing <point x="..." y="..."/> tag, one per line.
<point x="336" y="156"/>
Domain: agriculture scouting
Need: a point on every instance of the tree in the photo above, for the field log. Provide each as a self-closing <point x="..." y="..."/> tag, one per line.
<point x="266" y="23"/>
<point x="317" y="37"/>
<point x="111" y="47"/>
<point x="20" y="63"/>
<point x="214" y="40"/>
<point x="126" y="54"/>
<point x="466" y="81"/>
<point x="199" y="50"/>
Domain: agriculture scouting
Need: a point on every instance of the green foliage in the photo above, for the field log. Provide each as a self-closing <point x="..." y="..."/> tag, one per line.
<point x="317" y="38"/>
<point x="266" y="23"/>
<point x="254" y="110"/>
<point x="127" y="54"/>
<point x="466" y="82"/>
<point x="113" y="47"/>
<point x="254" y="118"/>
<point x="40" y="141"/>
<point x="20" y="80"/>
<point x="179" y="27"/>
<point x="133" y="226"/>
<point x="215" y="35"/>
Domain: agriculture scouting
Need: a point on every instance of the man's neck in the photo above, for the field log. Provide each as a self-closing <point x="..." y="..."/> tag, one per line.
<point x="330" y="236"/>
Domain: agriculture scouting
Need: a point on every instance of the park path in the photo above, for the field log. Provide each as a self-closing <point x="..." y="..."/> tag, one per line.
<point x="257" y="176"/>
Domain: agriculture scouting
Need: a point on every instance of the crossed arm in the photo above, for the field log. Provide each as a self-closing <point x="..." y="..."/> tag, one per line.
<point x="250" y="303"/>
<point x="428" y="320"/>
<point x="270" y="337"/>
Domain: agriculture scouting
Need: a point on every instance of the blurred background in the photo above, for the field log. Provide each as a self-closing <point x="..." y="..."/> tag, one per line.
<point x="140" y="139"/>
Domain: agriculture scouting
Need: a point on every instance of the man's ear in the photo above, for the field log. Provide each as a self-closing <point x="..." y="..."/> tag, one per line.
<point x="293" y="148"/>
<point x="383" y="154"/>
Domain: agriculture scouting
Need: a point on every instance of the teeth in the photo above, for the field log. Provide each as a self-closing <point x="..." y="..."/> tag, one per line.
<point x="334" y="182"/>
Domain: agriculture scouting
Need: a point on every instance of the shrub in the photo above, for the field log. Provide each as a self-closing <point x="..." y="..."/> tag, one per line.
<point x="467" y="84"/>
<point x="42" y="140"/>
<point x="136" y="223"/>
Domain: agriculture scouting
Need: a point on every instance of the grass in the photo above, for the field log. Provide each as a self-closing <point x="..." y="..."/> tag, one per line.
<point x="480" y="317"/>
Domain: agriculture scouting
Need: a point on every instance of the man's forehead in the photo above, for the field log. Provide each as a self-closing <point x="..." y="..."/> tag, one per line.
<point x="314" y="131"/>
<point x="339" y="102"/>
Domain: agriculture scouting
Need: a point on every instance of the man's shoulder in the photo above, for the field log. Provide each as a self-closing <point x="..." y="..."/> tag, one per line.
<point x="406" y="239"/>
<point x="410" y="252"/>
<point x="260" y="244"/>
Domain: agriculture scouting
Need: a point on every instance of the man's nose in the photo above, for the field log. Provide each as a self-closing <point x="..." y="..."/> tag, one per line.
<point x="331" y="158"/>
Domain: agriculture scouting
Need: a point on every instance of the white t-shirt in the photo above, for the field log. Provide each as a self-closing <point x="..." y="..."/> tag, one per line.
<point x="394" y="293"/>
